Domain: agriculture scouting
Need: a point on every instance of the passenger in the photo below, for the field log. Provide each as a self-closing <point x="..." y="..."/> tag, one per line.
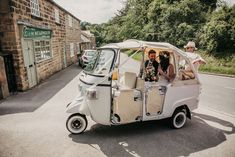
<point x="195" y="58"/>
<point x="165" y="69"/>
<point x="151" y="67"/>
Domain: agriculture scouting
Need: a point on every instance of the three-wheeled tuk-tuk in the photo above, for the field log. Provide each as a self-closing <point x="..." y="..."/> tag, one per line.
<point x="113" y="91"/>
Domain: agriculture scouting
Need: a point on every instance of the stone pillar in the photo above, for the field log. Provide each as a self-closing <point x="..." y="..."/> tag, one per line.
<point x="3" y="80"/>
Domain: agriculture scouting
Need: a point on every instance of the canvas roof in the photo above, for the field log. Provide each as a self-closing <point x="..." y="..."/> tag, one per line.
<point x="138" y="44"/>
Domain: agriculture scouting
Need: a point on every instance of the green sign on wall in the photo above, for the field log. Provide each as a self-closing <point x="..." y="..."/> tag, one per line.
<point x="30" y="32"/>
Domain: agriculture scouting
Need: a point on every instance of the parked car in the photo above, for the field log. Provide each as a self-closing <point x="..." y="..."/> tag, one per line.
<point x="86" y="57"/>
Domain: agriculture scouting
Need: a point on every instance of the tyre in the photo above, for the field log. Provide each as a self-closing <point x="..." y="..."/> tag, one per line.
<point x="79" y="63"/>
<point x="76" y="123"/>
<point x="178" y="119"/>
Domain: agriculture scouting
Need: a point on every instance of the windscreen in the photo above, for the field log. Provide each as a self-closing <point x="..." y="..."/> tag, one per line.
<point x="90" y="53"/>
<point x="101" y="62"/>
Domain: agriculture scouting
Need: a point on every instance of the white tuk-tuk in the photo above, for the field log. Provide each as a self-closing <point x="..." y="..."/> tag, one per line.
<point x="113" y="91"/>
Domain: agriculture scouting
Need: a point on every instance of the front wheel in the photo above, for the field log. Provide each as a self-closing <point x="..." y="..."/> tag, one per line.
<point x="76" y="123"/>
<point x="178" y="119"/>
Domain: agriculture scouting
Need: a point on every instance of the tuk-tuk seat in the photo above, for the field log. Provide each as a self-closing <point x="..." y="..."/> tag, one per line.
<point x="128" y="81"/>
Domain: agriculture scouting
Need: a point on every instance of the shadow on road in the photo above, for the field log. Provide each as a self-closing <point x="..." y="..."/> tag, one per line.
<point x="31" y="100"/>
<point x="156" y="138"/>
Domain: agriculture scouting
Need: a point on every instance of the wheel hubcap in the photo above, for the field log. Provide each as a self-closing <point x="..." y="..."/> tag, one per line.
<point x="179" y="120"/>
<point x="76" y="124"/>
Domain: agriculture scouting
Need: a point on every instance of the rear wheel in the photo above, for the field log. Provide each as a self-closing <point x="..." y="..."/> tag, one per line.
<point x="76" y="123"/>
<point x="178" y="119"/>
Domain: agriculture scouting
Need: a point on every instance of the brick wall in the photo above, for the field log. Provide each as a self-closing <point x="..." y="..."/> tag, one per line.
<point x="3" y="80"/>
<point x="11" y="37"/>
<point x="10" y="44"/>
<point x="73" y="35"/>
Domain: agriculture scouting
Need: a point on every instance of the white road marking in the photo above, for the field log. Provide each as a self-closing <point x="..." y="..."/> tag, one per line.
<point x="220" y="112"/>
<point x="230" y="88"/>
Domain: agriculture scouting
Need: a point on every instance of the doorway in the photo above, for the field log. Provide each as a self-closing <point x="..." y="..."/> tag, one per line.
<point x="29" y="61"/>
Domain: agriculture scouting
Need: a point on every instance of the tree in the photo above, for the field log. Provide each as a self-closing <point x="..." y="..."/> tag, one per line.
<point x="219" y="32"/>
<point x="173" y="21"/>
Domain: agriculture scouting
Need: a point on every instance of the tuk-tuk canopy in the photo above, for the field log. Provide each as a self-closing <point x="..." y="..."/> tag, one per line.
<point x="138" y="44"/>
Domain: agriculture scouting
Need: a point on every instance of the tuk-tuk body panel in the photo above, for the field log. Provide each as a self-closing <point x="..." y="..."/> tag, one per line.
<point x="100" y="108"/>
<point x="181" y="95"/>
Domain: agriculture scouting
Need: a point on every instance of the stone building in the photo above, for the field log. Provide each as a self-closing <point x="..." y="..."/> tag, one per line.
<point x="87" y="40"/>
<point x="41" y="37"/>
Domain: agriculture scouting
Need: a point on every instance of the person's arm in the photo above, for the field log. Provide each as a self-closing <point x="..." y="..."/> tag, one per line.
<point x="199" y="60"/>
<point x="169" y="75"/>
<point x="145" y="66"/>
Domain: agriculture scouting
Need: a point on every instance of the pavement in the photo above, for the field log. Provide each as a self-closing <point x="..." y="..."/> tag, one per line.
<point x="34" y="98"/>
<point x="32" y="123"/>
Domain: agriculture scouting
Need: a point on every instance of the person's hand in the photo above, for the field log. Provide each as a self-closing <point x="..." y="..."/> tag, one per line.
<point x="160" y="71"/>
<point x="199" y="61"/>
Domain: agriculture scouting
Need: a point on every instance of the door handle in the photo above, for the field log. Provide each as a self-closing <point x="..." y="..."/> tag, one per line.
<point x="30" y="65"/>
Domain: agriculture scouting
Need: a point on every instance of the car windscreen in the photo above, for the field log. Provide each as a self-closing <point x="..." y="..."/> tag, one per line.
<point x="101" y="62"/>
<point x="90" y="53"/>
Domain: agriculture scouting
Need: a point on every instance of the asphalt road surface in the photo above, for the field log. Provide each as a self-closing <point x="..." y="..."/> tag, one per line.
<point x="33" y="124"/>
<point x="218" y="93"/>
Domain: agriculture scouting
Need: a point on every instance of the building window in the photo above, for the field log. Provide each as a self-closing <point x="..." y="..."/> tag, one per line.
<point x="78" y="48"/>
<point x="34" y="5"/>
<point x="42" y="49"/>
<point x="57" y="16"/>
<point x="70" y="21"/>
<point x="71" y="49"/>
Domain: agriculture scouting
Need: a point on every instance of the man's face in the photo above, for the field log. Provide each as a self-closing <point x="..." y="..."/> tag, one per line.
<point x="190" y="49"/>
<point x="152" y="56"/>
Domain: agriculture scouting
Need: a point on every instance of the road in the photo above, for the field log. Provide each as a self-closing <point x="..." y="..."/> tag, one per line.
<point x="218" y="93"/>
<point x="33" y="124"/>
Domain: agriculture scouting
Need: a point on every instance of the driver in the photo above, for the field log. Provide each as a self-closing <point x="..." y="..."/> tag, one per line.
<point x="151" y="67"/>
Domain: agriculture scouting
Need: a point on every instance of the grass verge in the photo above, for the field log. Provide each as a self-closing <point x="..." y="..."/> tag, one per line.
<point x="222" y="64"/>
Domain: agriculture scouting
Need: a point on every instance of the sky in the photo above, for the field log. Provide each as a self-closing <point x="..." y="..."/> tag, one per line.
<point x="93" y="11"/>
<point x="97" y="11"/>
<point x="230" y="2"/>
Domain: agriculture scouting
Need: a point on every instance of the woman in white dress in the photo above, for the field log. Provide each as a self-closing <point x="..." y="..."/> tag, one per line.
<point x="165" y="68"/>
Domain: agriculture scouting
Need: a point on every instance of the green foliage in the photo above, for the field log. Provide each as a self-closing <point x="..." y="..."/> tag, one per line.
<point x="173" y="21"/>
<point x="219" y="32"/>
<point x="218" y="64"/>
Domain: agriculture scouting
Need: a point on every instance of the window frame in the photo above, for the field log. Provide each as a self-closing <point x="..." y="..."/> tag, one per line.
<point x="35" y="8"/>
<point x="78" y="48"/>
<point x="41" y="47"/>
<point x="57" y="15"/>
<point x="70" y="21"/>
<point x="72" y="52"/>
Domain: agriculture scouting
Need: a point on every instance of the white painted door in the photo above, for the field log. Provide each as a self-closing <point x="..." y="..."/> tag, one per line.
<point x="29" y="62"/>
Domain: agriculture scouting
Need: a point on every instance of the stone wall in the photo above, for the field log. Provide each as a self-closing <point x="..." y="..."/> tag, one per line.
<point x="3" y="80"/>
<point x="73" y="35"/>
<point x="11" y="25"/>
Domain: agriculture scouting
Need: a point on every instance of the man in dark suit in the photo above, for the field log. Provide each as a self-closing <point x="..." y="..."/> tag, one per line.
<point x="151" y="67"/>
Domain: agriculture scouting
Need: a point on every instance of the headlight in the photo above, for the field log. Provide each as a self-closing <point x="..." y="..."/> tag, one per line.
<point x="92" y="94"/>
